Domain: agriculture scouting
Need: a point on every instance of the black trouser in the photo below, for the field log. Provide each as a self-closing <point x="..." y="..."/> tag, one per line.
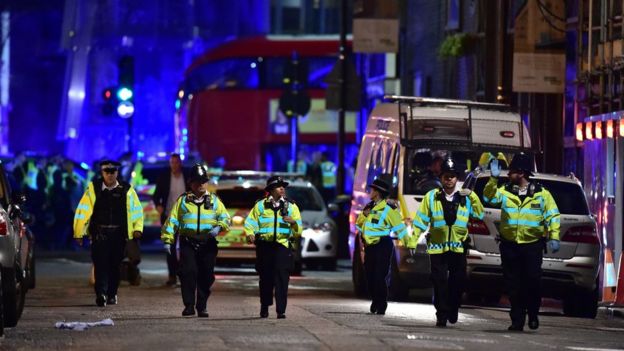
<point x="197" y="262"/>
<point x="448" y="273"/>
<point x="107" y="252"/>
<point x="377" y="267"/>
<point x="522" y="271"/>
<point x="274" y="262"/>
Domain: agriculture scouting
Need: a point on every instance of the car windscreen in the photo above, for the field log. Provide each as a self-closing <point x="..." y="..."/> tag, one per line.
<point x="307" y="199"/>
<point x="240" y="197"/>
<point x="569" y="197"/>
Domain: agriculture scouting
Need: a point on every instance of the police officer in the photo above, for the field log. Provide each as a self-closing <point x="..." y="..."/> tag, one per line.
<point x="197" y="216"/>
<point x="328" y="169"/>
<point x="445" y="211"/>
<point x="528" y="211"/>
<point x="377" y="220"/>
<point x="273" y="225"/>
<point x="110" y="213"/>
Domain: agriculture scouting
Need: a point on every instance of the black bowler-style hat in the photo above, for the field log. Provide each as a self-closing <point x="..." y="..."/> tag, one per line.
<point x="109" y="164"/>
<point x="275" y="182"/>
<point x="381" y="185"/>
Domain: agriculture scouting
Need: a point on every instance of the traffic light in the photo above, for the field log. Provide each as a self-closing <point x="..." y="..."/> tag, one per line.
<point x="125" y="88"/>
<point x="294" y="101"/>
<point x="110" y="102"/>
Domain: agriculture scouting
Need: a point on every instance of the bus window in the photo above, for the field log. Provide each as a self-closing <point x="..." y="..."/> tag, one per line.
<point x="238" y="73"/>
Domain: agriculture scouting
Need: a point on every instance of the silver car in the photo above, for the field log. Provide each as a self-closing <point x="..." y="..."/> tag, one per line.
<point x="17" y="269"/>
<point x="570" y="275"/>
<point x="319" y="241"/>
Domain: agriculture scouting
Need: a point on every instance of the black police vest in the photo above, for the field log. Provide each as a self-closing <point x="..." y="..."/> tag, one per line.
<point x="110" y="207"/>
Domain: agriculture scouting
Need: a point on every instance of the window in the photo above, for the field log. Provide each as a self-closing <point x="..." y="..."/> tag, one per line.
<point x="307" y="199"/>
<point x="240" y="197"/>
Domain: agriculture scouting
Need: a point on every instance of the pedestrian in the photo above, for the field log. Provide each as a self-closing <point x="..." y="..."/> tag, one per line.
<point x="197" y="216"/>
<point x="169" y="186"/>
<point x="273" y="225"/>
<point x="60" y="203"/>
<point x="110" y="214"/>
<point x="445" y="212"/>
<point x="378" y="220"/>
<point x="328" y="168"/>
<point x="529" y="224"/>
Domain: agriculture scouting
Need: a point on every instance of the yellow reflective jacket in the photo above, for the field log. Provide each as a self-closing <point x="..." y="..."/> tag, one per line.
<point x="443" y="238"/>
<point x="270" y="225"/>
<point x="134" y="210"/>
<point x="329" y="174"/>
<point x="195" y="220"/>
<point x="524" y="221"/>
<point x="381" y="221"/>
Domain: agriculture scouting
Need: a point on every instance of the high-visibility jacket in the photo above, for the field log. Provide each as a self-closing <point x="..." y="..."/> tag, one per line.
<point x="270" y="225"/>
<point x="302" y="166"/>
<point x="382" y="220"/>
<point x="524" y="221"/>
<point x="84" y="211"/>
<point x="442" y="237"/>
<point x="329" y="174"/>
<point x="195" y="220"/>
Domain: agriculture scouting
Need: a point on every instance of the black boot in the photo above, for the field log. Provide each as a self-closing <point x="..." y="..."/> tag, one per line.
<point x="202" y="313"/>
<point x="112" y="300"/>
<point x="264" y="311"/>
<point x="533" y="322"/>
<point x="100" y="300"/>
<point x="373" y="308"/>
<point x="188" y="311"/>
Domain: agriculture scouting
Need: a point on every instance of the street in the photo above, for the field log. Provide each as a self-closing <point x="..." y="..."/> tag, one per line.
<point x="322" y="314"/>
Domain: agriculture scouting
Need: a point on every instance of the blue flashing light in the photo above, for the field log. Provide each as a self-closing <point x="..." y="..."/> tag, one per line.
<point x="84" y="166"/>
<point x="185" y="131"/>
<point x="253" y="65"/>
<point x="177" y="104"/>
<point x="124" y="94"/>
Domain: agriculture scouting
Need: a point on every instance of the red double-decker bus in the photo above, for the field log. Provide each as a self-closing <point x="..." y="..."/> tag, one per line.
<point x="230" y="102"/>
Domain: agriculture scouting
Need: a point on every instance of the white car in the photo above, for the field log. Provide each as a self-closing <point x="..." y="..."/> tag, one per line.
<point x="318" y="245"/>
<point x="570" y="275"/>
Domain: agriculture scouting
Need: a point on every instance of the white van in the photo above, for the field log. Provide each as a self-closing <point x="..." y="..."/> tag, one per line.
<point x="406" y="137"/>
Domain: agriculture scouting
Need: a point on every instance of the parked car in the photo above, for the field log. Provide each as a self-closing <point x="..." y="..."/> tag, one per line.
<point x="570" y="274"/>
<point x="17" y="264"/>
<point x="240" y="193"/>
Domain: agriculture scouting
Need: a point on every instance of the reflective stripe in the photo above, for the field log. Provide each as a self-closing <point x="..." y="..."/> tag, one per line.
<point x="266" y="220"/>
<point x="174" y="221"/>
<point x="270" y="231"/>
<point x="524" y="222"/>
<point x="460" y="223"/>
<point x="424" y="217"/>
<point x="554" y="220"/>
<point x="79" y="216"/>
<point x="379" y="233"/>
<point x="439" y="224"/>
<point x="437" y="213"/>
<point x="401" y="233"/>
<point x="136" y="208"/>
<point x="136" y="216"/>
<point x="251" y="222"/>
<point x="449" y="244"/>
<point x="201" y="226"/>
<point x="358" y="228"/>
<point x="420" y="225"/>
<point x="83" y="207"/>
<point x="194" y="216"/>
<point x="169" y="230"/>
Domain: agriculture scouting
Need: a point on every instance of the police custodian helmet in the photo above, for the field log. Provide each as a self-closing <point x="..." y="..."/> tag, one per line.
<point x="199" y="173"/>
<point x="449" y="166"/>
<point x="522" y="162"/>
<point x="275" y="182"/>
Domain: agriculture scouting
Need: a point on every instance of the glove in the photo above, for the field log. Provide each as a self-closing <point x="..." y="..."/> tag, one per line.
<point x="495" y="168"/>
<point x="412" y="252"/>
<point x="553" y="245"/>
<point x="167" y="248"/>
<point x="465" y="192"/>
<point x="215" y="231"/>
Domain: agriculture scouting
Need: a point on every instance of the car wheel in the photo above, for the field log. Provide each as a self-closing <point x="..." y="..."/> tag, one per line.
<point x="581" y="303"/>
<point x="397" y="289"/>
<point x="357" y="273"/>
<point x="13" y="297"/>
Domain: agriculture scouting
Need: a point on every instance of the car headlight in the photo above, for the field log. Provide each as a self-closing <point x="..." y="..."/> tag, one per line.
<point x="325" y="226"/>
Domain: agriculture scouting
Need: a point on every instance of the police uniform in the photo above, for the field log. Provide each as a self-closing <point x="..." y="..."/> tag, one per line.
<point x="109" y="216"/>
<point x="382" y="220"/>
<point x="273" y="239"/>
<point x="197" y="220"/>
<point x="526" y="214"/>
<point x="446" y="217"/>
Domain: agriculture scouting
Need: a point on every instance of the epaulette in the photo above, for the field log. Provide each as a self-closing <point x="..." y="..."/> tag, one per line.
<point x="392" y="203"/>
